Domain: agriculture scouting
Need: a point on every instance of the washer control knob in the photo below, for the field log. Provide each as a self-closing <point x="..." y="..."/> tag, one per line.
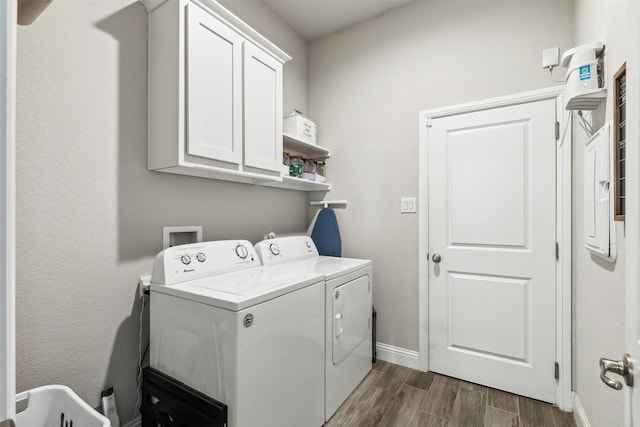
<point x="186" y="259"/>
<point x="274" y="248"/>
<point x="201" y="257"/>
<point x="308" y="244"/>
<point x="242" y="251"/>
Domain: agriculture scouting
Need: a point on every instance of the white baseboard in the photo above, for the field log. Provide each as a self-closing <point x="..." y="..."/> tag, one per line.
<point x="136" y="422"/>
<point x="578" y="412"/>
<point x="397" y="355"/>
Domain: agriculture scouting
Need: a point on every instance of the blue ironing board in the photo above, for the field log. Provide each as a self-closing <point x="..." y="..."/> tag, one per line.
<point x="326" y="233"/>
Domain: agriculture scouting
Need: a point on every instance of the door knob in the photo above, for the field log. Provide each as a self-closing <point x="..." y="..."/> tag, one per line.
<point x="436" y="258"/>
<point x="621" y="367"/>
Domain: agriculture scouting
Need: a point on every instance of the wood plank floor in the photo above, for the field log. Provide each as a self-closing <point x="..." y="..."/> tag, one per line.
<point x="393" y="395"/>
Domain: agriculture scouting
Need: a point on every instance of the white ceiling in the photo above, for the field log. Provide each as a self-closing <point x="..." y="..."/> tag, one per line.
<point x="313" y="19"/>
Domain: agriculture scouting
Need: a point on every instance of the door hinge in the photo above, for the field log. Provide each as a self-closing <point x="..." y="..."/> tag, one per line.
<point x="557" y="371"/>
<point x="557" y="251"/>
<point x="429" y="122"/>
<point x="557" y="130"/>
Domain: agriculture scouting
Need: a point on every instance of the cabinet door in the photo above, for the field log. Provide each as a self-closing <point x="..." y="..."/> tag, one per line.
<point x="213" y="88"/>
<point x="262" y="110"/>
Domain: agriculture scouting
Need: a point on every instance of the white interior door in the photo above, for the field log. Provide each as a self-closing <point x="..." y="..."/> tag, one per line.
<point x="492" y="227"/>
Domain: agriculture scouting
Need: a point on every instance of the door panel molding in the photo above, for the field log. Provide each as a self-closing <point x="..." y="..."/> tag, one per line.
<point x="472" y="153"/>
<point x="490" y="331"/>
<point x="563" y="226"/>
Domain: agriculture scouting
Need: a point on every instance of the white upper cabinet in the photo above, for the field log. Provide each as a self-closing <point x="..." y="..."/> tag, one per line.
<point x="215" y="95"/>
<point x="262" y="102"/>
<point x="214" y="91"/>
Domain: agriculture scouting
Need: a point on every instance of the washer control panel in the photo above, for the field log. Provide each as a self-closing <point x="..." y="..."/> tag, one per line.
<point x="196" y="260"/>
<point x="286" y="249"/>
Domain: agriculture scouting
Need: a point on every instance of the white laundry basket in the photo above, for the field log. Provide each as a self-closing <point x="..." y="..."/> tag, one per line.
<point x="55" y="406"/>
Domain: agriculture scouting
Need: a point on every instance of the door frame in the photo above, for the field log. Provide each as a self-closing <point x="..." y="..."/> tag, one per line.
<point x="8" y="27"/>
<point x="563" y="226"/>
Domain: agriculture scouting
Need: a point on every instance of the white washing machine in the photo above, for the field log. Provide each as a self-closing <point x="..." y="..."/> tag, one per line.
<point x="245" y="335"/>
<point x="348" y="281"/>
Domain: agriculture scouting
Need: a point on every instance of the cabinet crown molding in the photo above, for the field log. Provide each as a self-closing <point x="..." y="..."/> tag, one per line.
<point x="223" y="13"/>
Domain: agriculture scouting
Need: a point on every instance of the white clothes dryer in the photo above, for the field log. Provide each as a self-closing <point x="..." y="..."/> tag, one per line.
<point x="247" y="336"/>
<point x="348" y="305"/>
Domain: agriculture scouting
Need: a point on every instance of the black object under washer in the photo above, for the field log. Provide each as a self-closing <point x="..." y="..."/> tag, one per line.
<point x="167" y="402"/>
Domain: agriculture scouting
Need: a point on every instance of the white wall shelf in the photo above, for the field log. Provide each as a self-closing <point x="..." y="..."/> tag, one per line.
<point x="299" y="184"/>
<point x="310" y="151"/>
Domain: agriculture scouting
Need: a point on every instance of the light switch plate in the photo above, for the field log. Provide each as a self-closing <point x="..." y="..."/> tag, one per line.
<point x="408" y="205"/>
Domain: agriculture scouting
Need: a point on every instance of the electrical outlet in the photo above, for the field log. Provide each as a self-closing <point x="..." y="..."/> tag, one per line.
<point x="143" y="285"/>
<point x="550" y="57"/>
<point x="408" y="205"/>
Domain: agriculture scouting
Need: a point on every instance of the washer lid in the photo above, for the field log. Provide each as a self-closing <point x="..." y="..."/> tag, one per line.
<point x="239" y="290"/>
<point x="329" y="267"/>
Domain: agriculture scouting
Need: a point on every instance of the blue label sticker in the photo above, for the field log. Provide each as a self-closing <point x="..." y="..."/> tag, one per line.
<point x="585" y="72"/>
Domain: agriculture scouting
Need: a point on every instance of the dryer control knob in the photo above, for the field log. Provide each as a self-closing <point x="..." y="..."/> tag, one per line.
<point x="274" y="248"/>
<point x="242" y="251"/>
<point x="201" y="257"/>
<point x="186" y="259"/>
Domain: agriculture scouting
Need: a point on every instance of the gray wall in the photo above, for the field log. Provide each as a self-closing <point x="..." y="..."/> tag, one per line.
<point x="89" y="214"/>
<point x="366" y="87"/>
<point x="598" y="286"/>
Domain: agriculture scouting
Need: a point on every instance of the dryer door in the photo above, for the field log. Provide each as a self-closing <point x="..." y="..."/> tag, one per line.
<point x="351" y="312"/>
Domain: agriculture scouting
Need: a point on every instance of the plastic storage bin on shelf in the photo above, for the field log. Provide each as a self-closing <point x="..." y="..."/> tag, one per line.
<point x="300" y="127"/>
<point x="57" y="405"/>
